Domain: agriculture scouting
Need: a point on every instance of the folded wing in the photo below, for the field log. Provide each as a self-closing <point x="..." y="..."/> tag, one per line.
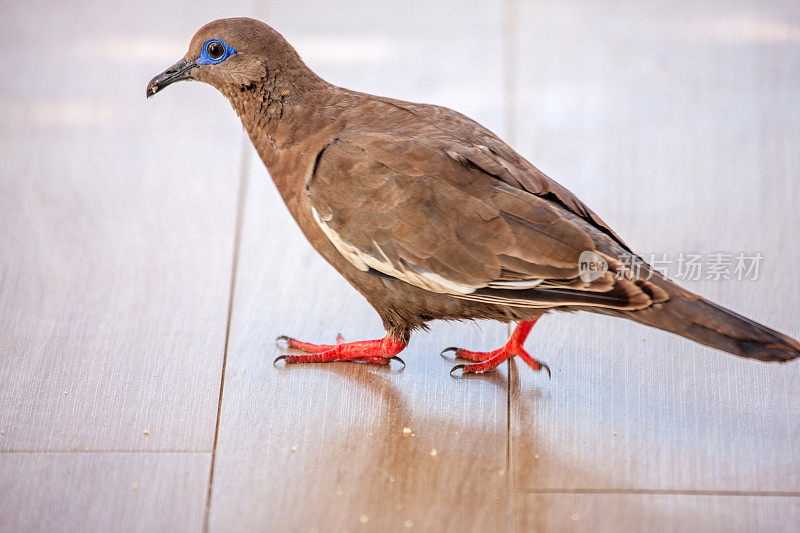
<point x="445" y="218"/>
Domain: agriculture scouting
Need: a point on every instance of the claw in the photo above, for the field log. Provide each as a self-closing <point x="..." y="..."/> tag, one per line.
<point x="450" y="349"/>
<point x="401" y="362"/>
<point x="457" y="367"/>
<point x="287" y="342"/>
<point x="544" y="365"/>
<point x="280" y="357"/>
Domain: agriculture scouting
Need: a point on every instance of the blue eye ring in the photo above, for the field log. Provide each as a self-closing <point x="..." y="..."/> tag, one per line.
<point x="215" y="51"/>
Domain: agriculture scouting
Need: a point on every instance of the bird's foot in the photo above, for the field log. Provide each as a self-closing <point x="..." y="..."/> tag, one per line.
<point x="488" y="361"/>
<point x="379" y="351"/>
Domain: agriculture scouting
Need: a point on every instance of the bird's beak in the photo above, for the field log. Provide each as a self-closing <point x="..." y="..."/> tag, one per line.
<point x="182" y="70"/>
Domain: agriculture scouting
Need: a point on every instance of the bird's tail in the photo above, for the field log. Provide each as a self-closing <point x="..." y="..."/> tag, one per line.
<point x="688" y="315"/>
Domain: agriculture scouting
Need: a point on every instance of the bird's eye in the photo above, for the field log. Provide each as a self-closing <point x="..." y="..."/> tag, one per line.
<point x="215" y="50"/>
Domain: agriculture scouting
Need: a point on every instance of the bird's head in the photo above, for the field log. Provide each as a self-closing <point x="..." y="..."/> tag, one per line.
<point x="230" y="54"/>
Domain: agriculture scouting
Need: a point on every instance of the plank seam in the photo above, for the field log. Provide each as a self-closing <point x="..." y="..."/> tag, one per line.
<point x="509" y="29"/>
<point x="240" y="207"/>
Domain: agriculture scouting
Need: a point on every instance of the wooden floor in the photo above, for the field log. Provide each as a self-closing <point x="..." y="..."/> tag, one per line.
<point x="147" y="265"/>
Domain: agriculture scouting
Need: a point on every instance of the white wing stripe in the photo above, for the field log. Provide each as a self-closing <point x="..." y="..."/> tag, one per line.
<point x="419" y="276"/>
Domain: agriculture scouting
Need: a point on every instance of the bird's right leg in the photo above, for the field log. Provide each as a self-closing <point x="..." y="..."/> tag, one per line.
<point x="487" y="361"/>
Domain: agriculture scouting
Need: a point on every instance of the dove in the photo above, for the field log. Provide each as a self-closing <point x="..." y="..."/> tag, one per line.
<point x="431" y="216"/>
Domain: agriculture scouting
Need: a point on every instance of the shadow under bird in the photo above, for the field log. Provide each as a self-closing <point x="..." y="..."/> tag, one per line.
<point x="430" y="216"/>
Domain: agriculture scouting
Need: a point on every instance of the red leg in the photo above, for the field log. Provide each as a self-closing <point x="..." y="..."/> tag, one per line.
<point x="307" y="347"/>
<point x="376" y="351"/>
<point x="490" y="360"/>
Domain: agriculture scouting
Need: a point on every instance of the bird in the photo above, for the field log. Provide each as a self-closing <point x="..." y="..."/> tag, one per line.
<point x="431" y="216"/>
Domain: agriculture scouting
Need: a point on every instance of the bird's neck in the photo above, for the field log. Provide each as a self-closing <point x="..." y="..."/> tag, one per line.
<point x="284" y="116"/>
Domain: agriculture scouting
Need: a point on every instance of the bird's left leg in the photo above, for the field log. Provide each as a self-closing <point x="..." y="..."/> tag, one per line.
<point x="487" y="361"/>
<point x="294" y="344"/>
<point x="380" y="351"/>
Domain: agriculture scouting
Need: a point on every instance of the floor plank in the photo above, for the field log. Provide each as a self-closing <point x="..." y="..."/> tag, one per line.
<point x="103" y="491"/>
<point x="679" y="124"/>
<point x="116" y="232"/>
<point x="602" y="513"/>
<point x="323" y="446"/>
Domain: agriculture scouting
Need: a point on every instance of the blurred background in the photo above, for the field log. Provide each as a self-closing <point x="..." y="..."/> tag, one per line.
<point x="147" y="265"/>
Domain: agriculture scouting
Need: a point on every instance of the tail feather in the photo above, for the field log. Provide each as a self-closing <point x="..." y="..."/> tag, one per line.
<point x="690" y="316"/>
